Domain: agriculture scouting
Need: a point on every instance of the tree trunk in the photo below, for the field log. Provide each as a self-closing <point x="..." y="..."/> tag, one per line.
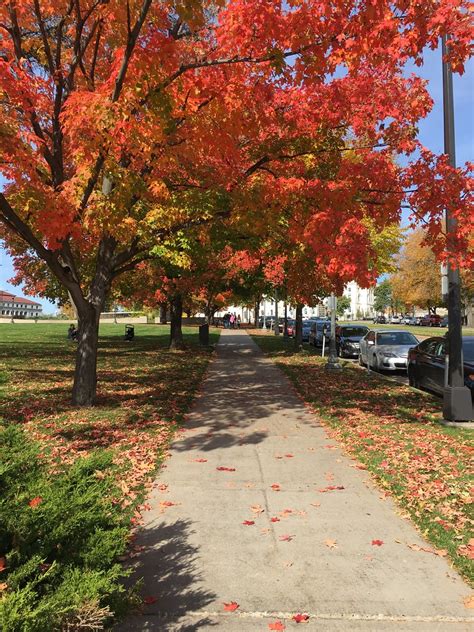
<point x="85" y="376"/>
<point x="208" y="314"/>
<point x="469" y="314"/>
<point x="257" y="312"/>
<point x="276" y="327"/>
<point x="299" y="327"/>
<point x="163" y="314"/>
<point x="176" y="332"/>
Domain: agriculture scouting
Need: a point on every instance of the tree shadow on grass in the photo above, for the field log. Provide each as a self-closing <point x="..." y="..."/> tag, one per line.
<point x="169" y="567"/>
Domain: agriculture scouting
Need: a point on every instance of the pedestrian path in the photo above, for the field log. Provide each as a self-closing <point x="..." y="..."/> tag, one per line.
<point x="256" y="506"/>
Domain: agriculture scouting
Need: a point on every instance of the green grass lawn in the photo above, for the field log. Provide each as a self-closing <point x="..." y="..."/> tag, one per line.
<point x="394" y="432"/>
<point x="73" y="481"/>
<point x="424" y="332"/>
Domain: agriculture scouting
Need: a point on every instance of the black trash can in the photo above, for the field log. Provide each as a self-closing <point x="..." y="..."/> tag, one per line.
<point x="129" y="332"/>
<point x="204" y="335"/>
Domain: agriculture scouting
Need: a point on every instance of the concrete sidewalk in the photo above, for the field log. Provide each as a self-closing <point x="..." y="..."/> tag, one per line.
<point x="316" y="556"/>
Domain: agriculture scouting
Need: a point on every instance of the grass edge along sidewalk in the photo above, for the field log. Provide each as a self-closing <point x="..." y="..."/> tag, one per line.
<point x="393" y="432"/>
<point x="73" y="482"/>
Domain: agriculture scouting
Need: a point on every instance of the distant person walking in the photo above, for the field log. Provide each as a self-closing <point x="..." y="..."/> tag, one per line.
<point x="232" y="321"/>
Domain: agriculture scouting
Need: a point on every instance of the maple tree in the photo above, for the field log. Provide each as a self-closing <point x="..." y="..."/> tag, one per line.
<point x="127" y="121"/>
<point x="417" y="281"/>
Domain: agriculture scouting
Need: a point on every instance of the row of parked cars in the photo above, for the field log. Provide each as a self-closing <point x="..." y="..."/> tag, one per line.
<point x="396" y="350"/>
<point x="428" y="320"/>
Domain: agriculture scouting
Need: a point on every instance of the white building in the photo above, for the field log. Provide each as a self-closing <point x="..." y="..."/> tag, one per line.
<point x="18" y="306"/>
<point x="362" y="306"/>
<point x="362" y="301"/>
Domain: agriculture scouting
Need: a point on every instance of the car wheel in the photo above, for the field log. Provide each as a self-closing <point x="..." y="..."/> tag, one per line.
<point x="361" y="362"/>
<point x="412" y="379"/>
<point x="374" y="366"/>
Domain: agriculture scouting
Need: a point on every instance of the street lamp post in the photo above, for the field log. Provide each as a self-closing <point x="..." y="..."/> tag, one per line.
<point x="332" y="363"/>
<point x="457" y="404"/>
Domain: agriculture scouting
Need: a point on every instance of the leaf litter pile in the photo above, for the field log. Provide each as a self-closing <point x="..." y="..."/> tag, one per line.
<point x="394" y="433"/>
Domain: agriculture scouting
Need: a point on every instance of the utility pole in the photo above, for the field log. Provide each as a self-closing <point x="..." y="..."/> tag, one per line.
<point x="457" y="404"/>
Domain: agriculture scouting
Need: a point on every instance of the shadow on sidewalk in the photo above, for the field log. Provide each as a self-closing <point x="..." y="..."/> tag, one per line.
<point x="169" y="567"/>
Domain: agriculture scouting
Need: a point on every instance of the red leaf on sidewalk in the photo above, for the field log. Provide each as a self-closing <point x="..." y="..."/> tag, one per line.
<point x="278" y="625"/>
<point x="300" y="618"/>
<point x="222" y="468"/>
<point x="377" y="542"/>
<point x="286" y="538"/>
<point x="331" y="488"/>
<point x="200" y="460"/>
<point x="231" y="606"/>
<point x="276" y="487"/>
<point x="248" y="522"/>
<point x="274" y="519"/>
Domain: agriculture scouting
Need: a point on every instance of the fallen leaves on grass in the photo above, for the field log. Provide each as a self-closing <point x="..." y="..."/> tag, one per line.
<point x="34" y="502"/>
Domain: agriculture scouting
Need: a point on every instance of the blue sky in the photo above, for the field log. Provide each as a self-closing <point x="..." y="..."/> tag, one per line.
<point x="431" y="133"/>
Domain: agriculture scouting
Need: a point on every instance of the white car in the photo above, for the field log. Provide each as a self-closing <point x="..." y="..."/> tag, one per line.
<point x="386" y="350"/>
<point x="395" y="320"/>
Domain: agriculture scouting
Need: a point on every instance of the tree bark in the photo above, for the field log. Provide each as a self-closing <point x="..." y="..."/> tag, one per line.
<point x="176" y="331"/>
<point x="299" y="327"/>
<point x="163" y="314"/>
<point x="257" y="312"/>
<point x="85" y="376"/>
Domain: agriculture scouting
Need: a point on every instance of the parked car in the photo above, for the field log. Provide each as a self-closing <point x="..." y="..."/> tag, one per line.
<point x="306" y="329"/>
<point x="426" y="364"/>
<point x="395" y="320"/>
<point x="430" y="320"/>
<point x="380" y="320"/>
<point x="443" y="322"/>
<point x="348" y="339"/>
<point x="386" y="349"/>
<point x="290" y="325"/>
<point x="317" y="331"/>
<point x="411" y="320"/>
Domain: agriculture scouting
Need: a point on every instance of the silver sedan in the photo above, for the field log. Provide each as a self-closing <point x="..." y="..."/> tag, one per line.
<point x="386" y="350"/>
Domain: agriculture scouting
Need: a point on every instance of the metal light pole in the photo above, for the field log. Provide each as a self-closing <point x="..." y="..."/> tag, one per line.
<point x="332" y="363"/>
<point x="457" y="404"/>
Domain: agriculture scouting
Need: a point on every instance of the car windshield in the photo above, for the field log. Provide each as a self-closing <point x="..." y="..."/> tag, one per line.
<point x="468" y="350"/>
<point x="354" y="331"/>
<point x="396" y="338"/>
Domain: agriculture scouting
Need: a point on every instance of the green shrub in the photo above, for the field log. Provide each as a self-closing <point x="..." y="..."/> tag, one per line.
<point x="61" y="536"/>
